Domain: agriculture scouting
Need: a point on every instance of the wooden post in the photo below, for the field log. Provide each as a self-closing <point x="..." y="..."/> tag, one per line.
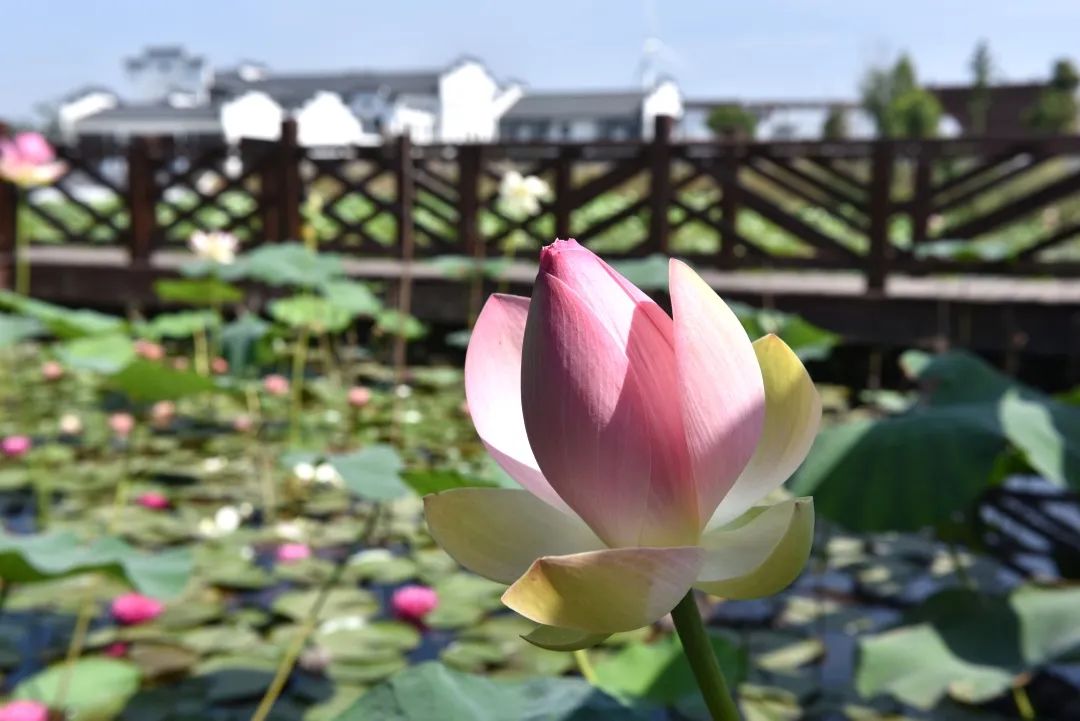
<point x="9" y="225"/>
<point x="729" y="206"/>
<point x="922" y="196"/>
<point x="564" y="192"/>
<point x="291" y="191"/>
<point x="406" y="189"/>
<point x="469" y="200"/>
<point x="660" y="184"/>
<point x="255" y="153"/>
<point x="880" y="209"/>
<point x="141" y="198"/>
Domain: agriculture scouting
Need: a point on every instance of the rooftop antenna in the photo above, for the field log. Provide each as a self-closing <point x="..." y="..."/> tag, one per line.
<point x="654" y="52"/>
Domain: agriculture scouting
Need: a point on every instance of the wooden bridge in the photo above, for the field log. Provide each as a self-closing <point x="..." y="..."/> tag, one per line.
<point x="968" y="242"/>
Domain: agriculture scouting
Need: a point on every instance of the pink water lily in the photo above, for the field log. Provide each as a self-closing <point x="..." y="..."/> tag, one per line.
<point x="16" y="446"/>
<point x="643" y="443"/>
<point x="24" y="711"/>
<point x="414" y="602"/>
<point x="132" y="609"/>
<point x="292" y="552"/>
<point x="28" y="160"/>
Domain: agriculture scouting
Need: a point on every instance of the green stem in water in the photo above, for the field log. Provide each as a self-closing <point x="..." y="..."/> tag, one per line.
<point x="22" y="255"/>
<point x="297" y="384"/>
<point x="76" y="645"/>
<point x="699" y="652"/>
<point x="201" y="352"/>
<point x="1023" y="703"/>
<point x="588" y="672"/>
<point x="293" y="652"/>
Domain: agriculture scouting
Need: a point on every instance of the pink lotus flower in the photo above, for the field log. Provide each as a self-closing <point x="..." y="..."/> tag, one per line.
<point x="153" y="500"/>
<point x="28" y="160"/>
<point x="116" y="650"/>
<point x="131" y="609"/>
<point x="181" y="363"/>
<point x="24" y="711"/>
<point x="162" y="412"/>
<point x="292" y="552"/>
<point x="276" y="385"/>
<point x="122" y="424"/>
<point x="359" y="396"/>
<point x="16" y="446"/>
<point x="242" y="423"/>
<point x="219" y="366"/>
<point x="52" y="371"/>
<point x="149" y="350"/>
<point x="643" y="442"/>
<point x="413" y="603"/>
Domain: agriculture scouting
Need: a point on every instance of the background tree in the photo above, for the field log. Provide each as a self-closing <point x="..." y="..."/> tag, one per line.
<point x="896" y="103"/>
<point x="982" y="71"/>
<point x="835" y="126"/>
<point x="1056" y="110"/>
<point x="732" y="122"/>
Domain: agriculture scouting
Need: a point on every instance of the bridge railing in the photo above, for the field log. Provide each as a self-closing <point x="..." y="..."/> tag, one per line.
<point x="978" y="205"/>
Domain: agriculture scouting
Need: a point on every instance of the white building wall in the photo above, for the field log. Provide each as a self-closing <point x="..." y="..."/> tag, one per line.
<point x="252" y="115"/>
<point x="69" y="114"/>
<point x="471" y="103"/>
<point x="664" y="99"/>
<point x="327" y="120"/>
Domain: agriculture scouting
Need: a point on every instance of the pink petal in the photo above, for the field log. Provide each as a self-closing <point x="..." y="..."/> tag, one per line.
<point x="34" y="148"/>
<point x="720" y="384"/>
<point x="493" y="390"/>
<point x="598" y="435"/>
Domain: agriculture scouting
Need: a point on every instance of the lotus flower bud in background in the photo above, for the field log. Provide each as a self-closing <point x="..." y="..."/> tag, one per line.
<point x="359" y="396"/>
<point x="642" y="441"/>
<point x="292" y="552"/>
<point x="412" y="603"/>
<point x="217" y="246"/>
<point x="24" y="711"/>
<point x="116" y="650"/>
<point x="131" y="609"/>
<point x="243" y="423"/>
<point x="52" y="371"/>
<point x="219" y="366"/>
<point x="521" y="195"/>
<point x="16" y="446"/>
<point x="27" y="160"/>
<point x="162" y="413"/>
<point x="276" y="385"/>
<point x="121" y="424"/>
<point x="153" y="500"/>
<point x="149" y="350"/>
<point x="70" y="424"/>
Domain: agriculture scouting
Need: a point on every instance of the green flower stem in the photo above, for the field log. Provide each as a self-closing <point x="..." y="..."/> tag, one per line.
<point x="87" y="609"/>
<point x="201" y="352"/>
<point x="22" y="253"/>
<point x="584" y="664"/>
<point x="706" y="668"/>
<point x="297" y="385"/>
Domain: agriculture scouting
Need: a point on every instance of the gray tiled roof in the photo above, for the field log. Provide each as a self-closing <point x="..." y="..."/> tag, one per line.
<point x="293" y="89"/>
<point x="156" y="111"/>
<point x="557" y="105"/>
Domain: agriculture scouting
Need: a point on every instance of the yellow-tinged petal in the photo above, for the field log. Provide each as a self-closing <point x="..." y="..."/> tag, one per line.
<point x="499" y="532"/>
<point x="554" y="638"/>
<point x="761" y="554"/>
<point x="618" y="589"/>
<point x="792" y="416"/>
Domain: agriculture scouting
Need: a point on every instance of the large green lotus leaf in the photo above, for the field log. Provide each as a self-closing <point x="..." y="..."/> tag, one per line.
<point x="392" y="321"/>
<point x="659" y="671"/>
<point x="148" y="382"/>
<point x="15" y="329"/>
<point x="372" y="473"/>
<point x="312" y="312"/>
<point x="203" y="291"/>
<point x="182" y="324"/>
<point x="62" y="322"/>
<point x="339" y="602"/>
<point x="61" y="553"/>
<point x="430" y="480"/>
<point x="970" y="646"/>
<point x="352" y="296"/>
<point x="288" y="264"/>
<point x="936" y="458"/>
<point x="98" y="688"/>
<point x="433" y="691"/>
<point x="101" y="353"/>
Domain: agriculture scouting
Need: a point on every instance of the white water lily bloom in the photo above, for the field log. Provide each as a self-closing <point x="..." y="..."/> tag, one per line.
<point x="225" y="521"/>
<point x="213" y="464"/>
<point x="217" y="245"/>
<point x="412" y="417"/>
<point x="326" y="473"/>
<point x="521" y="194"/>
<point x="304" y="472"/>
<point x="403" y="391"/>
<point x="71" y="424"/>
<point x="289" y="530"/>
<point x="342" y="623"/>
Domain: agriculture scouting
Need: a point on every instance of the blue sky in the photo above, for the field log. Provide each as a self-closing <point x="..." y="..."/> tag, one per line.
<point x="754" y="49"/>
